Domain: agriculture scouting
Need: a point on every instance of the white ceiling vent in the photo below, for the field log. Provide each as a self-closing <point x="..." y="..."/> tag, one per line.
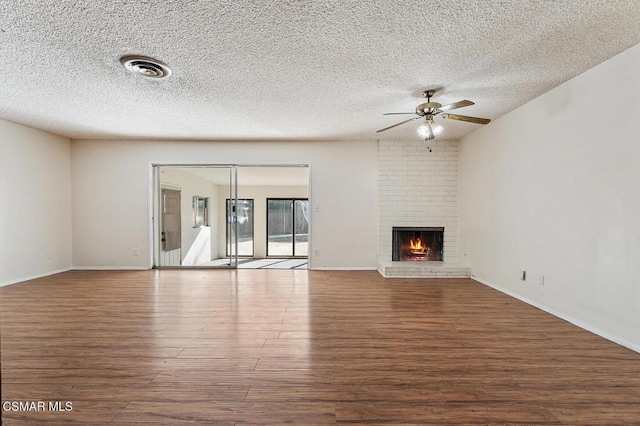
<point x="145" y="66"/>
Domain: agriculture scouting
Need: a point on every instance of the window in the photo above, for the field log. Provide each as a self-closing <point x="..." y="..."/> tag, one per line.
<point x="200" y="211"/>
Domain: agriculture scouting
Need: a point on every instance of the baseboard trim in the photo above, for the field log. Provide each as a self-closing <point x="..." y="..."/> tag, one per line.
<point x="343" y="268"/>
<point x="615" y="339"/>
<point x="33" y="277"/>
<point x="110" y="268"/>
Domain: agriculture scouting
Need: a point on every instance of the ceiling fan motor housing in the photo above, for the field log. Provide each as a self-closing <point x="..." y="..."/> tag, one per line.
<point x="427" y="108"/>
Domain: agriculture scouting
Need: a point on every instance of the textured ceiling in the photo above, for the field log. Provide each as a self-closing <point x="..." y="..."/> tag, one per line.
<point x="291" y="70"/>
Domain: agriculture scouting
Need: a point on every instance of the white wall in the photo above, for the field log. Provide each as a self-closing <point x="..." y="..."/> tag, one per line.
<point x="111" y="181"/>
<point x="35" y="207"/>
<point x="553" y="188"/>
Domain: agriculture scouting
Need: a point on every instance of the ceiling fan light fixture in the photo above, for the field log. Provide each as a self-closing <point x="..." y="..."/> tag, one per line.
<point x="429" y="130"/>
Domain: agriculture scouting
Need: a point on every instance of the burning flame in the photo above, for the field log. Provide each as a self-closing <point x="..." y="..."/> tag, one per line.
<point x="416" y="246"/>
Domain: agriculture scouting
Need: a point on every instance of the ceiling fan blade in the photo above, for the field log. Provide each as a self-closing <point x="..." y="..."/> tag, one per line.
<point x="455" y="105"/>
<point x="466" y="118"/>
<point x="398" y="113"/>
<point x="397" y="124"/>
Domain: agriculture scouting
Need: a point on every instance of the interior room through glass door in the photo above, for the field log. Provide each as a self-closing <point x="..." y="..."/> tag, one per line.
<point x="195" y="227"/>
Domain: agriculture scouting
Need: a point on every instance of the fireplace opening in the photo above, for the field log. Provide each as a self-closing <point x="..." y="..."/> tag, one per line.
<point x="420" y="244"/>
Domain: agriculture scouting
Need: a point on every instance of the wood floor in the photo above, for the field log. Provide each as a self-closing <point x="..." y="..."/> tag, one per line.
<point x="308" y="347"/>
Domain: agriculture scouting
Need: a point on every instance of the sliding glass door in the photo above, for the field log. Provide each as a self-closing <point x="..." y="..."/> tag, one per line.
<point x="200" y="222"/>
<point x="190" y="229"/>
<point x="287" y="227"/>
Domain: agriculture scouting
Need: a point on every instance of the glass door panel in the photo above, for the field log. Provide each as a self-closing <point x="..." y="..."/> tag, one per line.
<point x="189" y="204"/>
<point x="287" y="227"/>
<point x="279" y="227"/>
<point x="301" y="230"/>
<point x="244" y="219"/>
<point x="232" y="219"/>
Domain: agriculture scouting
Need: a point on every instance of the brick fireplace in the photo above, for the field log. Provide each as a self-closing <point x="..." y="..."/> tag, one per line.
<point x="418" y="188"/>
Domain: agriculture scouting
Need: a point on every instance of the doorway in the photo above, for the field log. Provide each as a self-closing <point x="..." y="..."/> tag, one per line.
<point x="223" y="215"/>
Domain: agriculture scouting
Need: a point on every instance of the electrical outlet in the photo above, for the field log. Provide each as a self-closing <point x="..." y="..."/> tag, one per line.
<point x="135" y="251"/>
<point x="523" y="275"/>
<point x="48" y="254"/>
<point x="541" y="280"/>
<point x="316" y="252"/>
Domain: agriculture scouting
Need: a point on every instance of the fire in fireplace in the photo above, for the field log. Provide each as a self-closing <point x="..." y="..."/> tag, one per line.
<point x="418" y="243"/>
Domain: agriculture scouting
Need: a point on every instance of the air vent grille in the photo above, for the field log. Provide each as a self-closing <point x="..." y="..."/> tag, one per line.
<point x="145" y="66"/>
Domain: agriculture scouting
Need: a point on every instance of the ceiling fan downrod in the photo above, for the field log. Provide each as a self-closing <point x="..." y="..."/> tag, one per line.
<point x="428" y="94"/>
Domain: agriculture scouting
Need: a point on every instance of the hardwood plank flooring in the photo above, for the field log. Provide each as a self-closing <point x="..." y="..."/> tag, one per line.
<point x="306" y="347"/>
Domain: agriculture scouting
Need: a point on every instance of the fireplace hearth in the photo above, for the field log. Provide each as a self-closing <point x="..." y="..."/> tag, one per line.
<point x="417" y="244"/>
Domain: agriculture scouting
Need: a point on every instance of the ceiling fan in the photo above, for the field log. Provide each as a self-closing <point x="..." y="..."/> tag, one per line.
<point x="429" y="110"/>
